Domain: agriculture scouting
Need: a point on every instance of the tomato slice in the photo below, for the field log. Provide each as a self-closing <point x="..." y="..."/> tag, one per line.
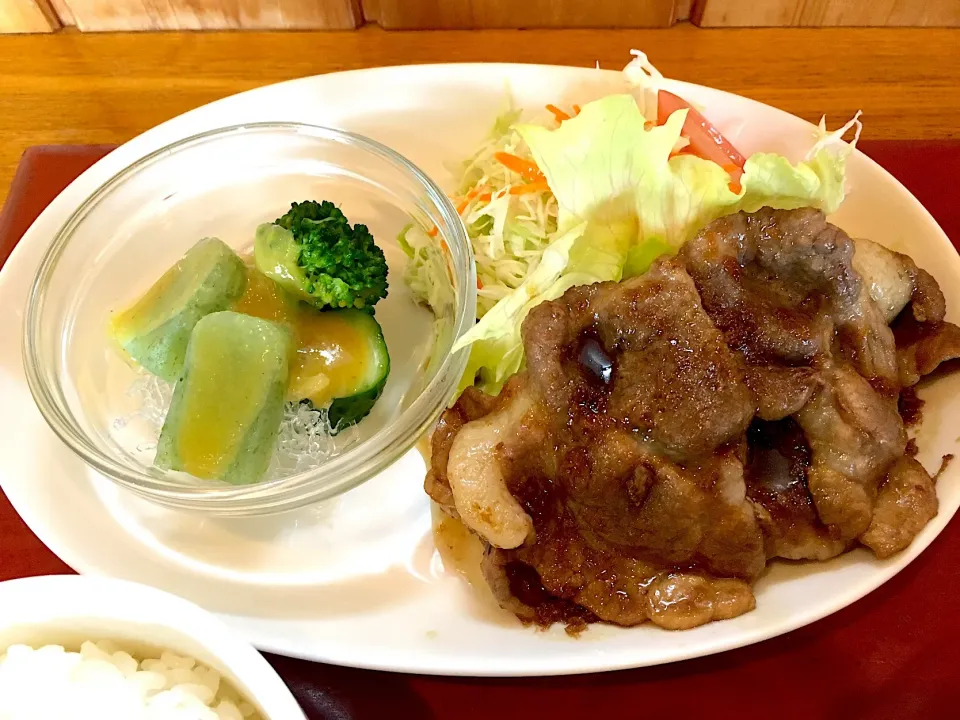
<point x="705" y="140"/>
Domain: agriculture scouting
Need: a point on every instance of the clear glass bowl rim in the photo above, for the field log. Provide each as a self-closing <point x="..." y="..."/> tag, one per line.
<point x="352" y="468"/>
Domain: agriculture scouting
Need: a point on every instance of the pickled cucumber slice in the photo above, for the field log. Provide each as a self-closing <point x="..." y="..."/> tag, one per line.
<point x="155" y="331"/>
<point x="341" y="364"/>
<point x="228" y="405"/>
<point x="265" y="299"/>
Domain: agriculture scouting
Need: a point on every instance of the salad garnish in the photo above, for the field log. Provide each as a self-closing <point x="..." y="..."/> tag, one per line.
<point x="599" y="193"/>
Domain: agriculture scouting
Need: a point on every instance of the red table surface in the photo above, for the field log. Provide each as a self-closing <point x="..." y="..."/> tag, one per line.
<point x="893" y="655"/>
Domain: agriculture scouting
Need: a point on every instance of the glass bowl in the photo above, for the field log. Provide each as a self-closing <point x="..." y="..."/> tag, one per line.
<point x="224" y="183"/>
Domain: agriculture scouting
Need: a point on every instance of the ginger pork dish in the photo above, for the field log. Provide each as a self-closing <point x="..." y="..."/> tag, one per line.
<point x="681" y="371"/>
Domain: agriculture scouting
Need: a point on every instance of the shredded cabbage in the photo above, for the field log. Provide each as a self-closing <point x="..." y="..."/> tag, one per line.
<point x="645" y="81"/>
<point x="509" y="233"/>
<point x="611" y="195"/>
<point x="427" y="274"/>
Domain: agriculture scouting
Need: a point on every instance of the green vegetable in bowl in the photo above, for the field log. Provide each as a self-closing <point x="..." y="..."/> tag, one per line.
<point x="350" y="409"/>
<point x="315" y="253"/>
<point x="245" y="345"/>
<point x="228" y="405"/>
<point x="341" y="364"/>
<point x="154" y="332"/>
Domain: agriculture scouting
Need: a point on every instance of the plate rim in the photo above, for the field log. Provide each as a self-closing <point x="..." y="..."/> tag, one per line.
<point x="140" y="145"/>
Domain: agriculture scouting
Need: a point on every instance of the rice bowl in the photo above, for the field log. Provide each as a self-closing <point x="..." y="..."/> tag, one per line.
<point x="51" y="681"/>
<point x="79" y="647"/>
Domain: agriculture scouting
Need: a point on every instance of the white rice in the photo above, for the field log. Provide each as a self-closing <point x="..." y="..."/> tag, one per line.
<point x="104" y="682"/>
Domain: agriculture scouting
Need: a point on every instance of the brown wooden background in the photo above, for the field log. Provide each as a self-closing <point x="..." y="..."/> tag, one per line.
<point x="28" y="16"/>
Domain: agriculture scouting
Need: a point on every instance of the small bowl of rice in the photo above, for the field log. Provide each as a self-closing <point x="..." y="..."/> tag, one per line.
<point x="83" y="648"/>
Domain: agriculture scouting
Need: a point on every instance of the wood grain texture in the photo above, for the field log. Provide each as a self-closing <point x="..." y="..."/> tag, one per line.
<point x="370" y="10"/>
<point x="27" y="16"/>
<point x="114" y="15"/>
<point x="818" y="13"/>
<point x="93" y="88"/>
<point x="447" y="14"/>
<point x="64" y="13"/>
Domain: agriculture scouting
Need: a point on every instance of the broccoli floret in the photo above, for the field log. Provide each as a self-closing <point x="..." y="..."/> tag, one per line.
<point x="342" y="265"/>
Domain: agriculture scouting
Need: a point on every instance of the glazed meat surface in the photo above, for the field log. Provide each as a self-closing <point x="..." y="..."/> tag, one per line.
<point x="907" y="501"/>
<point x="630" y="477"/>
<point x="672" y="376"/>
<point x="783" y="288"/>
<point x="673" y="432"/>
<point x="779" y="460"/>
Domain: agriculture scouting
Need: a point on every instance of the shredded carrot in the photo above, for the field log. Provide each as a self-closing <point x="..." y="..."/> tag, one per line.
<point x="479" y="283"/>
<point x="484" y="197"/>
<point x="444" y="246"/>
<point x="559" y="114"/>
<point x="527" y="169"/>
<point x="481" y="193"/>
<point x="576" y="110"/>
<point x="433" y="231"/>
<point x="534" y="187"/>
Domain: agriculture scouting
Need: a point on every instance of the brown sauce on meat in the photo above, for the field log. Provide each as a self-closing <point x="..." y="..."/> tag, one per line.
<point x="907" y="330"/>
<point x="884" y="387"/>
<point x="640" y="430"/>
<point x="597" y="366"/>
<point x="460" y="551"/>
<point x="596" y="362"/>
<point x="911" y="449"/>
<point x="539" y="497"/>
<point x="910" y="407"/>
<point x="779" y="459"/>
<point x="525" y="585"/>
<point x="944" y="463"/>
<point x="777" y="465"/>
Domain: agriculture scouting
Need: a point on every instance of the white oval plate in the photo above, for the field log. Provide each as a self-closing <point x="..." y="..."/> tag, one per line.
<point x="359" y="581"/>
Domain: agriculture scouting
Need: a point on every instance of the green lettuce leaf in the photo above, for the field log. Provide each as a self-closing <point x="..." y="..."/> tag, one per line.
<point x="497" y="350"/>
<point x="623" y="202"/>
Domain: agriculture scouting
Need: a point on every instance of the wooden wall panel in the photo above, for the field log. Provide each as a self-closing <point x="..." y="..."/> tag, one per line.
<point x="371" y="10"/>
<point x="27" y="16"/>
<point x="818" y="13"/>
<point x="681" y="9"/>
<point x="452" y="14"/>
<point x="64" y="14"/>
<point x="107" y="15"/>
